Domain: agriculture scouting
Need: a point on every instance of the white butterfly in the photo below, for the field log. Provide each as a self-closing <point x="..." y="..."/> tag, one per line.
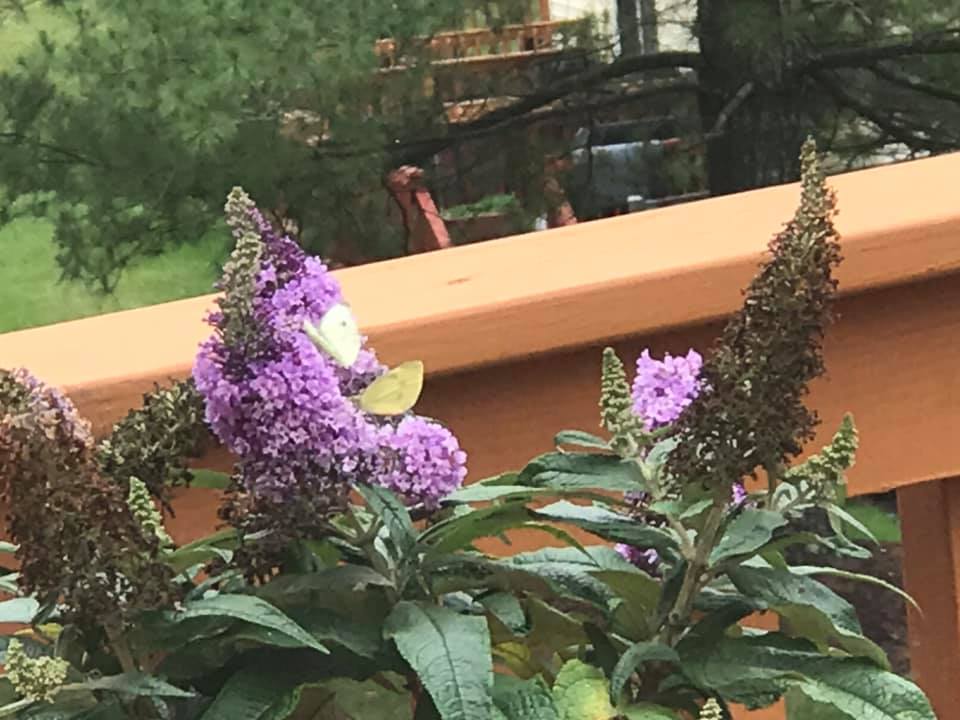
<point x="336" y="334"/>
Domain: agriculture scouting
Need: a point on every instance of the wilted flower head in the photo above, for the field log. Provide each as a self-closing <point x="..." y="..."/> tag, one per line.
<point x="78" y="539"/>
<point x="750" y="412"/>
<point x="662" y="389"/>
<point x="152" y="443"/>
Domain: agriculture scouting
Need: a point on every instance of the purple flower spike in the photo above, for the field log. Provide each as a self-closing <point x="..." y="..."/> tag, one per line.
<point x="285" y="408"/>
<point x="664" y="388"/>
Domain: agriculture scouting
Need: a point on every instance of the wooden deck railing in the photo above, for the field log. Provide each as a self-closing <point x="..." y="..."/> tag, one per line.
<point x="510" y="332"/>
<point x="484" y="44"/>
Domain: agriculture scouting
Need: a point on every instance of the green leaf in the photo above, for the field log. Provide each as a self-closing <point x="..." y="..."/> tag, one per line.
<point x="753" y="671"/>
<point x="388" y="507"/>
<point x="302" y="588"/>
<point x="812" y="609"/>
<point x="811" y="570"/>
<point x="209" y="479"/>
<point x="366" y="700"/>
<point x="580" y="692"/>
<point x="634" y="657"/>
<point x="580" y="439"/>
<point x="748" y="532"/>
<point x="477" y="493"/>
<point x="8" y="547"/>
<point x="640" y="596"/>
<point x="696" y="508"/>
<point x="136" y="683"/>
<point x="569" y="570"/>
<point x="361" y="638"/>
<point x="485" y="493"/>
<point x="66" y="707"/>
<point x="800" y="707"/>
<point x="840" y="518"/>
<point x="864" y="692"/>
<point x="645" y="711"/>
<point x="523" y="699"/>
<point x="249" y="609"/>
<point x="609" y="525"/>
<point x="218" y="545"/>
<point x="251" y="692"/>
<point x="19" y="610"/>
<point x="581" y="471"/>
<point x="451" y="655"/>
<point x="507" y="609"/>
<point x="551" y="629"/>
<point x="457" y="533"/>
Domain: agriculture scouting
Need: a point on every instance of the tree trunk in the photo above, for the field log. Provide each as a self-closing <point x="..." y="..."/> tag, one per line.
<point x="628" y="26"/>
<point x="752" y="117"/>
<point x="649" y="26"/>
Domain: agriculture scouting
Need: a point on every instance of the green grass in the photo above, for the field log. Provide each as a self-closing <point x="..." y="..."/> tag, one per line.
<point x="32" y="294"/>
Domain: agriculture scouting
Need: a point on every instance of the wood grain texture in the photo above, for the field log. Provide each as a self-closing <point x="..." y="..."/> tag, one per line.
<point x="930" y="513"/>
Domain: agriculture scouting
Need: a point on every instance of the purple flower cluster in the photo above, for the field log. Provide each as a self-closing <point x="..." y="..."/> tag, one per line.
<point x="284" y="407"/>
<point x="421" y="460"/>
<point x="664" y="388"/>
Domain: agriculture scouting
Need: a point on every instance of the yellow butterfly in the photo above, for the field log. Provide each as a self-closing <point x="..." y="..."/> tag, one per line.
<point x="394" y="392"/>
<point x="336" y="334"/>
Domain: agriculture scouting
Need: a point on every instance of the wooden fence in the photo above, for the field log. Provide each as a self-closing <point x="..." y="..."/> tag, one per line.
<point x="511" y="330"/>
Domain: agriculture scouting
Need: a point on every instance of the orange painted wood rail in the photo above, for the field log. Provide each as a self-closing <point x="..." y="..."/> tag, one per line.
<point x="511" y="330"/>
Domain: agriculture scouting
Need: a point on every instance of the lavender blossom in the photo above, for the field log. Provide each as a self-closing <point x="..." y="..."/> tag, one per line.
<point x="284" y="407"/>
<point x="662" y="389"/>
<point x="422" y="461"/>
<point x="738" y="495"/>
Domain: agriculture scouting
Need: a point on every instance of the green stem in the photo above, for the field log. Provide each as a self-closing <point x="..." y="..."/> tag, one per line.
<point x="15" y="707"/>
<point x="120" y="647"/>
<point x="696" y="576"/>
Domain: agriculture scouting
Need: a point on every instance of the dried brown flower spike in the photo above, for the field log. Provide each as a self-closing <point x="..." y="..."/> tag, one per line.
<point x="750" y="413"/>
<point x="79" y="542"/>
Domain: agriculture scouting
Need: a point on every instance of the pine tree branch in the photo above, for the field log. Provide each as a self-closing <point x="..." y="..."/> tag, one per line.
<point x="945" y="42"/>
<point x="469" y="131"/>
<point x="909" y="82"/>
<point x="891" y="126"/>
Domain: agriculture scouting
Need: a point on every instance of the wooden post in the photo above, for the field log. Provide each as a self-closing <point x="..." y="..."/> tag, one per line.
<point x="930" y="514"/>
<point x="544" y="10"/>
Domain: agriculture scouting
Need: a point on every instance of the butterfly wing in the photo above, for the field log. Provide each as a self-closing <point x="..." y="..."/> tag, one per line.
<point x="336" y="334"/>
<point x="394" y="392"/>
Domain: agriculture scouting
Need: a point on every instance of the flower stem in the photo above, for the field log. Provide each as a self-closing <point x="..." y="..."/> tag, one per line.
<point x="120" y="647"/>
<point x="695" y="577"/>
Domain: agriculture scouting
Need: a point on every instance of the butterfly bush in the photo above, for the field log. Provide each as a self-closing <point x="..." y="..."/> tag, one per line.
<point x="283" y="406"/>
<point x="661" y="391"/>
